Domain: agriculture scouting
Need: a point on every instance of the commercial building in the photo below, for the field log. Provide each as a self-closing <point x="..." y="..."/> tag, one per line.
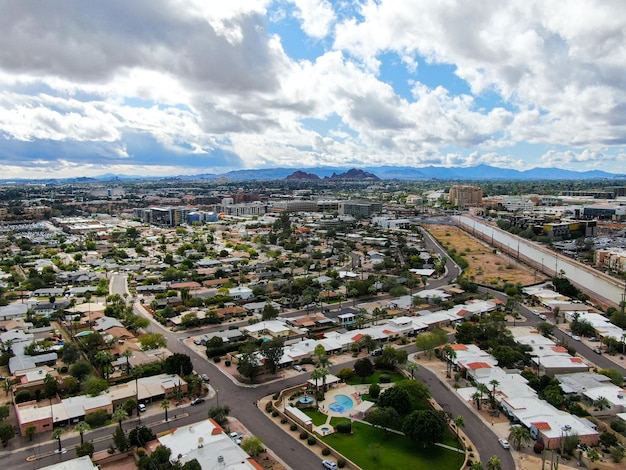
<point x="466" y="196"/>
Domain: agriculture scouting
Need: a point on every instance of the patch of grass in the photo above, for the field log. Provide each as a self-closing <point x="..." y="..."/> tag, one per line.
<point x="391" y="450"/>
<point x="317" y="417"/>
<point x="374" y="378"/>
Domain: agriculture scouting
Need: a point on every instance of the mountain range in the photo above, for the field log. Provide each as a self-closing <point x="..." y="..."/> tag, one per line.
<point x="474" y="173"/>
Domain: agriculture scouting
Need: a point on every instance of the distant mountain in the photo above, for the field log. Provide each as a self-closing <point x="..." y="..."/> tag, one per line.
<point x="302" y="176"/>
<point x="474" y="173"/>
<point x="353" y="174"/>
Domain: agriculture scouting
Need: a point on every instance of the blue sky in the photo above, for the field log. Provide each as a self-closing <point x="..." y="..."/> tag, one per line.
<point x="164" y="87"/>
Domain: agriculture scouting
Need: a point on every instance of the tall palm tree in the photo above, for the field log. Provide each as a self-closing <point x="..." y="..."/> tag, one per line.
<point x="476" y="466"/>
<point x="165" y="404"/>
<point x="477" y="396"/>
<point x="450" y="355"/>
<point x="324" y="372"/>
<point x="127" y="354"/>
<point x="81" y="428"/>
<point x="494" y="463"/>
<point x="119" y="415"/>
<point x="412" y="367"/>
<point x="56" y="434"/>
<point x="459" y="422"/>
<point x="519" y="435"/>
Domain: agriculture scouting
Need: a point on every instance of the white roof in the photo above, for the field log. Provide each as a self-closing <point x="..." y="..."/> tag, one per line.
<point x="80" y="463"/>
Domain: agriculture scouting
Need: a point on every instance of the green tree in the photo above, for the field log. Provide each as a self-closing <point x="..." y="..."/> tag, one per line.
<point x="120" y="440"/>
<point x="494" y="463"/>
<point x="4" y="412"/>
<point x="152" y="341"/>
<point x="56" y="434"/>
<point x="82" y="427"/>
<point x="178" y="363"/>
<point x="95" y="385"/>
<point x="423" y="426"/>
<point x="119" y="415"/>
<point x="363" y="367"/>
<point x="320" y="353"/>
<point x="412" y="367"/>
<point x="391" y="357"/>
<point x="84" y="449"/>
<point x="269" y="312"/>
<point x="30" y="432"/>
<point x="252" y="445"/>
<point x="272" y="351"/>
<point x="80" y="369"/>
<point x="518" y="436"/>
<point x="7" y="432"/>
<point x="396" y="398"/>
<point x="249" y="365"/>
<point x="385" y="417"/>
<point x="165" y="405"/>
<point x="70" y="353"/>
<point x="51" y="386"/>
<point x="140" y="435"/>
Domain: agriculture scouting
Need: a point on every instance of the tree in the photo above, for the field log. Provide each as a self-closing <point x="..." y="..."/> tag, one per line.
<point x="4" y="412"/>
<point x="178" y="363"/>
<point x="320" y="353"/>
<point x="119" y="415"/>
<point x="363" y="367"/>
<point x="449" y="355"/>
<point x="316" y="375"/>
<point x="427" y="342"/>
<point x="165" y="405"/>
<point x="252" y="445"/>
<point x="269" y="312"/>
<point x="7" y="432"/>
<point x="248" y="363"/>
<point x="56" y="434"/>
<point x="391" y="357"/>
<point x="70" y="353"/>
<point x="423" y="426"/>
<point x="82" y="427"/>
<point x="30" y="432"/>
<point x="140" y="435"/>
<point x="494" y="463"/>
<point x="602" y="403"/>
<point x="545" y="328"/>
<point x="385" y="417"/>
<point x="120" y="440"/>
<point x="51" y="386"/>
<point x="368" y="343"/>
<point x="272" y="351"/>
<point x="127" y="354"/>
<point x="192" y="465"/>
<point x="80" y="369"/>
<point x="519" y="435"/>
<point x="396" y="398"/>
<point x="412" y="367"/>
<point x="418" y="392"/>
<point x="95" y="385"/>
<point x="84" y="449"/>
<point x="152" y="341"/>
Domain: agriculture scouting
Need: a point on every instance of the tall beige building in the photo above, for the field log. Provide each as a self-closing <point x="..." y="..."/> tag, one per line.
<point x="466" y="196"/>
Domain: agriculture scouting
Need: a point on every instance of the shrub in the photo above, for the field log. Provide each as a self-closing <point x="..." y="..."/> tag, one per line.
<point x="346" y="373"/>
<point x="283" y="420"/>
<point x="618" y="426"/>
<point x="538" y="447"/>
<point x="274" y="413"/>
<point x="325" y="451"/>
<point x="97" y="418"/>
<point x="63" y="369"/>
<point x="341" y="463"/>
<point x="311" y="440"/>
<point x="384" y="379"/>
<point x="217" y="359"/>
<point x="374" y="391"/>
<point x="304" y="435"/>
<point x="344" y="427"/>
<point x="22" y="396"/>
<point x="275" y="396"/>
<point x="227" y="362"/>
<point x="293" y="427"/>
<point x="84" y="449"/>
<point x="269" y="407"/>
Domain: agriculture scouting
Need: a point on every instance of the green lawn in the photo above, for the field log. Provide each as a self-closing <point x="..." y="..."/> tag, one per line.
<point x="371" y="448"/>
<point x="374" y="378"/>
<point x="317" y="417"/>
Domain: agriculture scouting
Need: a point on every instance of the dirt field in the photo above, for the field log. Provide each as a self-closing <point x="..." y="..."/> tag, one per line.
<point x="485" y="267"/>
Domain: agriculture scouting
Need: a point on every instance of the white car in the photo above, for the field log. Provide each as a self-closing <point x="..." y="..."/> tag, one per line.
<point x="543" y="317"/>
<point x="504" y="443"/>
<point x="141" y="407"/>
<point x="329" y="464"/>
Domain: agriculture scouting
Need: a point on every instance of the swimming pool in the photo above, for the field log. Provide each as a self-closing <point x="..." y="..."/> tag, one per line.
<point x="341" y="404"/>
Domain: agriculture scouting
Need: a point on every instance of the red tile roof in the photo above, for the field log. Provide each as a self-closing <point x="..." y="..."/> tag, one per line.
<point x="541" y="425"/>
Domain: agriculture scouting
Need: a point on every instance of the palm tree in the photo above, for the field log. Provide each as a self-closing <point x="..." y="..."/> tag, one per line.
<point x="127" y="354"/>
<point x="477" y="396"/>
<point x="450" y="355"/>
<point x="119" y="415"/>
<point x="82" y="427"/>
<point x="324" y="372"/>
<point x="56" y="434"/>
<point x="494" y="463"/>
<point x="492" y="394"/>
<point x="602" y="403"/>
<point x="316" y="375"/>
<point x="165" y="404"/>
<point x="519" y="435"/>
<point x="476" y="466"/>
<point x="482" y="389"/>
<point x="412" y="367"/>
<point x="459" y="422"/>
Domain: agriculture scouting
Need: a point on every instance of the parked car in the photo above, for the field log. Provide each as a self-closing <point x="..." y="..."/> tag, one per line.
<point x="543" y="317"/>
<point x="377" y="352"/>
<point x="236" y="437"/>
<point x="197" y="401"/>
<point x="329" y="464"/>
<point x="205" y="377"/>
<point x="297" y="368"/>
<point x="141" y="407"/>
<point x="504" y="443"/>
<point x="597" y="350"/>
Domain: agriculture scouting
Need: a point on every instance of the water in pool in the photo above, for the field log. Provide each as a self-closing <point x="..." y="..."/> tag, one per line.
<point x="341" y="404"/>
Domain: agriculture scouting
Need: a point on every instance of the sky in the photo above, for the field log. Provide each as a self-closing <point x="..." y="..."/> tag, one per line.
<point x="173" y="87"/>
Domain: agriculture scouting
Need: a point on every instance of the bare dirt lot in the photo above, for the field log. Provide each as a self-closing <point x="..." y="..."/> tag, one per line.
<point x="485" y="266"/>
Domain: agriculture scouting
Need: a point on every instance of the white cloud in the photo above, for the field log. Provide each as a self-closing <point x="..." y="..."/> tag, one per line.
<point x="317" y="17"/>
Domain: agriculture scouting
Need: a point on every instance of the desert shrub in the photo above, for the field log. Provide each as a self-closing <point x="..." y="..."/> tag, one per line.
<point x="269" y="407"/>
<point x="341" y="463"/>
<point x="304" y="435"/>
<point x="227" y="362"/>
<point x="325" y="451"/>
<point x="217" y="359"/>
<point x="274" y="413"/>
<point x="283" y="420"/>
<point x="293" y="427"/>
<point x="311" y="440"/>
